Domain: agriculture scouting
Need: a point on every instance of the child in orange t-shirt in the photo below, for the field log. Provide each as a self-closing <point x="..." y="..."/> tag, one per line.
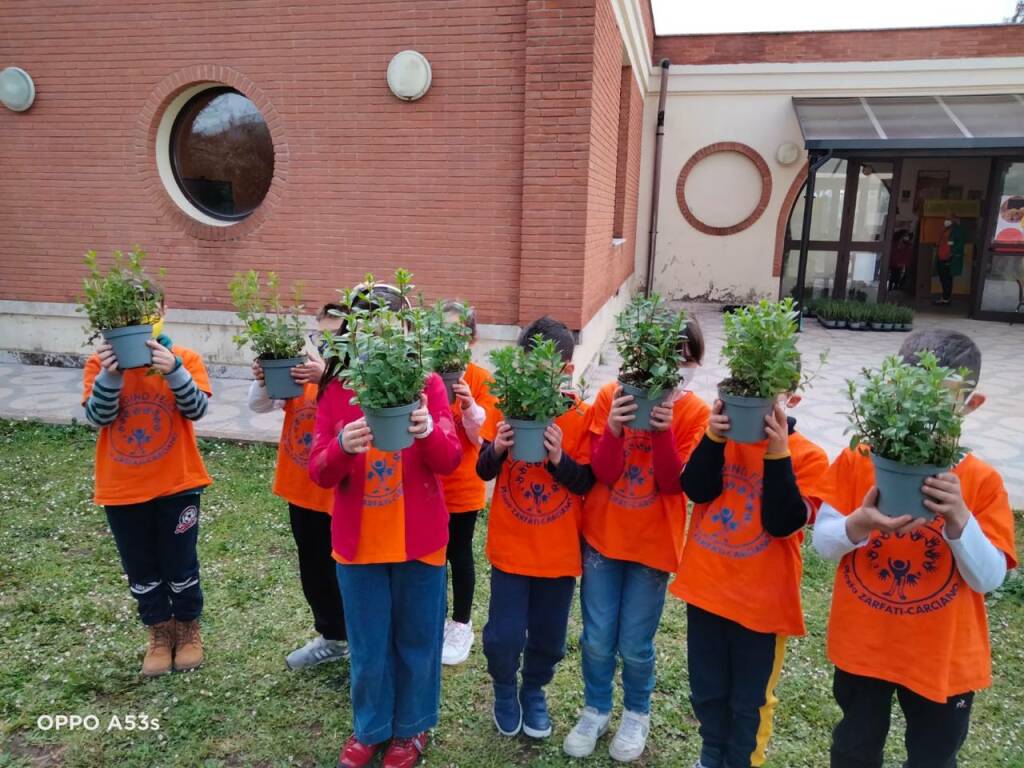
<point x="632" y="538"/>
<point x="149" y="476"/>
<point x="465" y="493"/>
<point x="740" y="577"/>
<point x="309" y="506"/>
<point x="533" y="543"/>
<point x="908" y="606"/>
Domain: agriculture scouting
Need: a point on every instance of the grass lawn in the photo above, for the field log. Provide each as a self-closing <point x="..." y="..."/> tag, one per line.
<point x="70" y="643"/>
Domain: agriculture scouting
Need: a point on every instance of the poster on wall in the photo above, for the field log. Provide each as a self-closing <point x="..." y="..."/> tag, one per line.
<point x="1010" y="221"/>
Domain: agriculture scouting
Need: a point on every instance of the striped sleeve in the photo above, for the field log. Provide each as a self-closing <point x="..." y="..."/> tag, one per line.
<point x="102" y="406"/>
<point x="191" y="401"/>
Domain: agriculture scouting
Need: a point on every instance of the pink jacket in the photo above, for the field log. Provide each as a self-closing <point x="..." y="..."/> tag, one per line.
<point x="426" y="516"/>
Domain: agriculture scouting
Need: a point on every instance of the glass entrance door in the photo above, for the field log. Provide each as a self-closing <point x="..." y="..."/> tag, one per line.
<point x="1001" y="294"/>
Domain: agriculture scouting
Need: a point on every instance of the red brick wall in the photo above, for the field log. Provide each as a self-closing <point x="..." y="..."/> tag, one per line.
<point x="372" y="182"/>
<point x="857" y="45"/>
<point x="648" y="16"/>
<point x="626" y="261"/>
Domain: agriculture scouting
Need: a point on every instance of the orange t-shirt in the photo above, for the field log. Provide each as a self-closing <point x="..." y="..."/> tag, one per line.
<point x="900" y="609"/>
<point x="533" y="527"/>
<point x="731" y="566"/>
<point x="632" y="520"/>
<point x="291" y="478"/>
<point x="464" y="491"/>
<point x="150" y="450"/>
<point x="382" y="528"/>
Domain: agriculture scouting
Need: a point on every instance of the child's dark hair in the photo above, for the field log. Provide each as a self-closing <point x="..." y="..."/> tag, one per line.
<point x="458" y="307"/>
<point x="333" y="309"/>
<point x="551" y="330"/>
<point x="693" y="345"/>
<point x="953" y="349"/>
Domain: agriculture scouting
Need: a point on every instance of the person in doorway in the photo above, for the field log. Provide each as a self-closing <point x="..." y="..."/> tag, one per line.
<point x="902" y="255"/>
<point x="950" y="258"/>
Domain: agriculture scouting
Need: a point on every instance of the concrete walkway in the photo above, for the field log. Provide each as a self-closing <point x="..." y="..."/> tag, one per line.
<point x="996" y="431"/>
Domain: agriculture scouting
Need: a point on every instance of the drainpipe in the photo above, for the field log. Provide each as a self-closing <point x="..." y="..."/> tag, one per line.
<point x="816" y="161"/>
<point x="656" y="181"/>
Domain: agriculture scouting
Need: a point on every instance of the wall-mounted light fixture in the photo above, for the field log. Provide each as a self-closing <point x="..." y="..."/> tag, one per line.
<point x="787" y="153"/>
<point x="409" y="75"/>
<point x="17" y="91"/>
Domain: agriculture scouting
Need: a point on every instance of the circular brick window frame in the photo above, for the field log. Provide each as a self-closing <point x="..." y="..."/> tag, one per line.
<point x="177" y="87"/>
<point x="725" y="146"/>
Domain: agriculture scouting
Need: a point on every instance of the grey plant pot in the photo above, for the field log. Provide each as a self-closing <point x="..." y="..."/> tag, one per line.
<point x="129" y="345"/>
<point x="390" y="426"/>
<point x="277" y="378"/>
<point x="746" y="417"/>
<point x="644" y="405"/>
<point x="450" y="378"/>
<point x="887" y="326"/>
<point x="827" y="323"/>
<point x="899" y="487"/>
<point x="529" y="440"/>
<point x="856" y="325"/>
<point x="876" y="326"/>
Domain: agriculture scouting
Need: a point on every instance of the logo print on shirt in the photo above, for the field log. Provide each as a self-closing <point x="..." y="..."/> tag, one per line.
<point x="299" y="440"/>
<point x="533" y="496"/>
<point x="636" y="488"/>
<point x="143" y="430"/>
<point x="383" y="480"/>
<point x="903" y="573"/>
<point x="731" y="524"/>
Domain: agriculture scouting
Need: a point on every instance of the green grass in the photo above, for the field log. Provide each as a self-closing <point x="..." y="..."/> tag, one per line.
<point x="70" y="643"/>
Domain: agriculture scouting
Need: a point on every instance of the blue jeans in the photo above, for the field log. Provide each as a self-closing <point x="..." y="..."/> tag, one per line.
<point x="394" y="615"/>
<point x="528" y="618"/>
<point x="622" y="603"/>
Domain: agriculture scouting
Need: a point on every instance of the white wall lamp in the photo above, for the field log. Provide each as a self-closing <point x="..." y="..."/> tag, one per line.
<point x="17" y="91"/>
<point x="409" y="75"/>
<point x="787" y="153"/>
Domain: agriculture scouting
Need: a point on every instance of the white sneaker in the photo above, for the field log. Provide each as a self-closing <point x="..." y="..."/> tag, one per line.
<point x="317" y="651"/>
<point x="458" y="639"/>
<point x="631" y="739"/>
<point x="582" y="739"/>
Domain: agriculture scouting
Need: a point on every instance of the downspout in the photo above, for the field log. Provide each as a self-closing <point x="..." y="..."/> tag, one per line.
<point x="656" y="181"/>
<point x="816" y="161"/>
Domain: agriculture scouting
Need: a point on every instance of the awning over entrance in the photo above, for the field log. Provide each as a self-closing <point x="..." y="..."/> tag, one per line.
<point x="912" y="122"/>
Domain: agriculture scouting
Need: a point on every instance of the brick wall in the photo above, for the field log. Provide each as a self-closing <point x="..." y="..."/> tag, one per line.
<point x="856" y="45"/>
<point x="372" y="182"/>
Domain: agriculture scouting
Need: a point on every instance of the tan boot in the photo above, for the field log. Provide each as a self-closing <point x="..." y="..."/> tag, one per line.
<point x="161" y="648"/>
<point x="188" y="645"/>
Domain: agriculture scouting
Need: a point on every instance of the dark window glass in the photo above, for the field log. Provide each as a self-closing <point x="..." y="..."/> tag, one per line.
<point x="222" y="154"/>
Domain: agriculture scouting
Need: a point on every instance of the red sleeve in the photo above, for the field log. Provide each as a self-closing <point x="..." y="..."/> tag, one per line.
<point x="607" y="456"/>
<point x="329" y="464"/>
<point x="441" y="450"/>
<point x="667" y="463"/>
<point x="92" y="370"/>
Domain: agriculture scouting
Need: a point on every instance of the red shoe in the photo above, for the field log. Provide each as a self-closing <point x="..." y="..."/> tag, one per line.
<point x="355" y="754"/>
<point x="405" y="753"/>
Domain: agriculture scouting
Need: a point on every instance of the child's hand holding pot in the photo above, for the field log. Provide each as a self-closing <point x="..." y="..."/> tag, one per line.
<point x="504" y="439"/>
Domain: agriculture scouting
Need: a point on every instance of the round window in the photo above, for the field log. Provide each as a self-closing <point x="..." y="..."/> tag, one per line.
<point x="222" y="154"/>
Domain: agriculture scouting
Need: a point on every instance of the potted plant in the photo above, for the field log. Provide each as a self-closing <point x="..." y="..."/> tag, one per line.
<point x="909" y="418"/>
<point x="857" y="315"/>
<point x="761" y="354"/>
<point x="275" y="332"/>
<point x="449" y="339"/>
<point x="387" y="361"/>
<point x="827" y="312"/>
<point x="121" y="306"/>
<point x="903" y="318"/>
<point x="876" y="315"/>
<point x="528" y="385"/>
<point x="649" y="336"/>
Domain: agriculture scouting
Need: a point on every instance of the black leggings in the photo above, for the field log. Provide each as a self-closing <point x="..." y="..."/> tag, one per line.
<point x="460" y="557"/>
<point x="312" y="532"/>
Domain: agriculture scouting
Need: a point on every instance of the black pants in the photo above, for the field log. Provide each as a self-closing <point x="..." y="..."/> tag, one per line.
<point x="460" y="558"/>
<point x="945" y="270"/>
<point x="935" y="732"/>
<point x="312" y="532"/>
<point x="157" y="544"/>
<point x="733" y="671"/>
<point x="527" y="620"/>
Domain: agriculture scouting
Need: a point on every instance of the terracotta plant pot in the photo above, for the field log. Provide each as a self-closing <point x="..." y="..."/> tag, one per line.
<point x="529" y="440"/>
<point x="899" y="487"/>
<point x="644" y="405"/>
<point x="129" y="345"/>
<point x="746" y="417"/>
<point x="390" y="426"/>
<point x="277" y="378"/>
<point x="450" y="378"/>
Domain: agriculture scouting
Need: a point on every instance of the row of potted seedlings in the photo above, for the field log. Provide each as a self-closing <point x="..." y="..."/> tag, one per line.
<point x="861" y="316"/>
<point x="908" y="417"/>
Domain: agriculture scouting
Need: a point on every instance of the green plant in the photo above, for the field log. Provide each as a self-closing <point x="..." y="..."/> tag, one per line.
<point x="649" y="336"/>
<point x="448" y="339"/>
<point x="904" y="315"/>
<point x="273" y="330"/>
<point x="908" y="413"/>
<point x="385" y="350"/>
<point x="760" y="350"/>
<point x="529" y="383"/>
<point x="124" y="296"/>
